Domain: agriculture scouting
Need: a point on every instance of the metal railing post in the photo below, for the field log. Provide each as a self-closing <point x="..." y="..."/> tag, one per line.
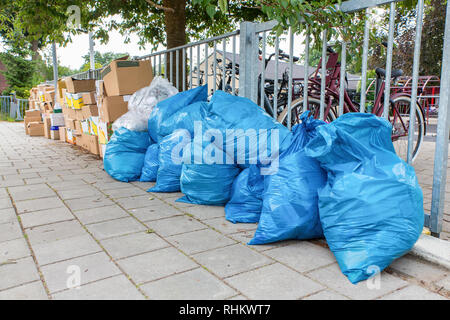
<point x="441" y="153"/>
<point x="247" y="61"/>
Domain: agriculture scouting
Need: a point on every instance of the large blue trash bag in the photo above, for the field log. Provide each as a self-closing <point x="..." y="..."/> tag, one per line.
<point x="164" y="109"/>
<point x="207" y="184"/>
<point x="243" y="122"/>
<point x="125" y="153"/>
<point x="246" y="197"/>
<point x="290" y="207"/>
<point x="170" y="161"/>
<point x="185" y="118"/>
<point x="371" y="208"/>
<point x="151" y="164"/>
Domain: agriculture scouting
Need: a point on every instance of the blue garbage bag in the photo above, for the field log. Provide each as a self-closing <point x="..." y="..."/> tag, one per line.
<point x="151" y="164"/>
<point x="207" y="184"/>
<point x="371" y="208"/>
<point x="290" y="207"/>
<point x="170" y="161"/>
<point x="125" y="153"/>
<point x="164" y="109"/>
<point x="185" y="118"/>
<point x="246" y="197"/>
<point x="250" y="135"/>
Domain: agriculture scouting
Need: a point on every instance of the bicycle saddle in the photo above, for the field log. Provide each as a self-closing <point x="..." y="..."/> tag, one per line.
<point x="382" y="73"/>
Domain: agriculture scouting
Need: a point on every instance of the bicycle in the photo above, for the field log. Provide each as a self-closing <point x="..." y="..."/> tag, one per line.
<point x="398" y="115"/>
<point x="269" y="87"/>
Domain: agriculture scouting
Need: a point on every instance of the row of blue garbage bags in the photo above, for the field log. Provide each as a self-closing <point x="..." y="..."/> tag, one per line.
<point x="342" y="180"/>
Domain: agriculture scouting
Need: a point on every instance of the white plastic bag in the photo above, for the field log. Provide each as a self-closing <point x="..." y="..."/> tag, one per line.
<point x="141" y="104"/>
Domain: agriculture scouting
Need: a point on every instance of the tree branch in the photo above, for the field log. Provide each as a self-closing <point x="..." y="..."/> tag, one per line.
<point x="160" y="7"/>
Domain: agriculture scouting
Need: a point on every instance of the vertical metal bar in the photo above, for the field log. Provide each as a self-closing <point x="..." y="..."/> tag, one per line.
<point x="415" y="79"/>
<point x="198" y="66"/>
<point x="154" y="66"/>
<point x="275" y="80"/>
<point x="177" y="58"/>
<point x="184" y="69"/>
<point x="247" y="58"/>
<point x="91" y="52"/>
<point x="441" y="153"/>
<point x="342" y="80"/>
<point x="291" y="72"/>
<point x="362" y="106"/>
<point x="233" y="62"/>
<point x="224" y="61"/>
<point x="306" y="77"/>
<point x="165" y="66"/>
<point x="55" y="70"/>
<point x="190" y="68"/>
<point x="159" y="67"/>
<point x="390" y="50"/>
<point x="206" y="64"/>
<point x="323" y="75"/>
<point x="171" y="68"/>
<point x="263" y="70"/>
<point x="215" y="67"/>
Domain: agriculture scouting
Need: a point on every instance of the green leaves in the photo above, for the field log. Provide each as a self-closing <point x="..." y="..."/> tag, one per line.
<point x="223" y="4"/>
<point x="211" y="10"/>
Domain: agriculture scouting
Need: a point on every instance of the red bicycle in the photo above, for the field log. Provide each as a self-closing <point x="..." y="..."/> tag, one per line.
<point x="400" y="103"/>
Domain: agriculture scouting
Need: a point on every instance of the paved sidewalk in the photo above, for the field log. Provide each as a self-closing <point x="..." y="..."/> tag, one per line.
<point x="62" y="218"/>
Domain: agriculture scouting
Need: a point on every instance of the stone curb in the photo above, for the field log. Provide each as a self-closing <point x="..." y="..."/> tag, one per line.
<point x="433" y="250"/>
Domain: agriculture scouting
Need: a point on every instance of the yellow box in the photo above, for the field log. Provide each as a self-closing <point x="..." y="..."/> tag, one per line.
<point x="77" y="101"/>
<point x="69" y="100"/>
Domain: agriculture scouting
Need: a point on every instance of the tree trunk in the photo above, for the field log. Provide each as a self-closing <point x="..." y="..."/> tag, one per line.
<point x="175" y="25"/>
<point x="35" y="49"/>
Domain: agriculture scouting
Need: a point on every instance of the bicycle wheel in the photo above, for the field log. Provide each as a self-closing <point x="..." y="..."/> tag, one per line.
<point x="297" y="109"/>
<point x="399" y="118"/>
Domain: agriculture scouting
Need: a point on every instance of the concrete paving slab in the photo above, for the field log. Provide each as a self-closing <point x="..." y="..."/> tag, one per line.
<point x="196" y="284"/>
<point x="85" y="269"/>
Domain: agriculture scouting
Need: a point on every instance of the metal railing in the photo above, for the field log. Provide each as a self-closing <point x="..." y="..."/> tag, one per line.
<point x="13" y="108"/>
<point x="193" y="62"/>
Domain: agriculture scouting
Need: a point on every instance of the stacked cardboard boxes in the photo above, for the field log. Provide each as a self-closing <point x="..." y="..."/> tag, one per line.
<point x="89" y="107"/>
<point x="121" y="78"/>
<point x="33" y="123"/>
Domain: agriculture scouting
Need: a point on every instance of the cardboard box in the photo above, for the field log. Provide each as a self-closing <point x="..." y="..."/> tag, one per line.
<point x="104" y="132"/>
<point x="49" y="96"/>
<point x="57" y="119"/>
<point x="79" y="114"/>
<point x="94" y="148"/>
<point x="78" y="126"/>
<point x="70" y="123"/>
<point x="76" y="86"/>
<point x="85" y="126"/>
<point x="54" y="134"/>
<point x="36" y="129"/>
<point x="122" y="77"/>
<point x="93" y="125"/>
<point x="70" y="136"/>
<point x="102" y="149"/>
<point x="90" y="111"/>
<point x="89" y="98"/>
<point x="61" y="87"/>
<point x="28" y="119"/>
<point x="113" y="107"/>
<point x="47" y="125"/>
<point x="68" y="97"/>
<point x="99" y="90"/>
<point x="77" y="101"/>
<point x="62" y="134"/>
<point x="33" y="113"/>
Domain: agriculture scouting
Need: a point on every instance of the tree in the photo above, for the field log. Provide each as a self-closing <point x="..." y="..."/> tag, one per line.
<point x="101" y="59"/>
<point x="18" y="71"/>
